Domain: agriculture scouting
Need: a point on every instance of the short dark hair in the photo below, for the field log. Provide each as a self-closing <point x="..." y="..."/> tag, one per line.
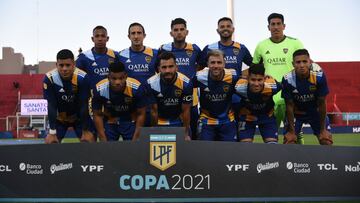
<point x="99" y="27"/>
<point x="178" y="21"/>
<point x="166" y="55"/>
<point x="64" y="54"/>
<point x="225" y="19"/>
<point x="276" y="15"/>
<point x="257" y="69"/>
<point x="116" y="67"/>
<point x="300" y="52"/>
<point x="136" y="24"/>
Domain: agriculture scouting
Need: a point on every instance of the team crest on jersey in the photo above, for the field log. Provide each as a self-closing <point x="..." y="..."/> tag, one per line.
<point x="111" y="60"/>
<point x="312" y="88"/>
<point x="162" y="151"/>
<point x="226" y="88"/>
<point x="128" y="100"/>
<point x="285" y="50"/>
<point x="148" y="59"/>
<point x="189" y="53"/>
<point x="236" y="51"/>
<point x="178" y="93"/>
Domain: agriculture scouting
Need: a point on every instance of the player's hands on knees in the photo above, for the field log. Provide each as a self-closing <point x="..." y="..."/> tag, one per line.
<point x="290" y="138"/>
<point x="51" y="139"/>
<point x="325" y="138"/>
<point x="87" y="136"/>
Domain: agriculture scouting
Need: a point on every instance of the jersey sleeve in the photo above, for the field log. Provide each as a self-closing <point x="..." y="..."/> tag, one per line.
<point x="202" y="59"/>
<point x="50" y="96"/>
<point x="149" y="94"/>
<point x="188" y="93"/>
<point x="248" y="59"/>
<point x="96" y="101"/>
<point x="81" y="62"/>
<point x="141" y="97"/>
<point x="323" y="88"/>
<point x="84" y="90"/>
<point x="257" y="58"/>
<point x="286" y="90"/>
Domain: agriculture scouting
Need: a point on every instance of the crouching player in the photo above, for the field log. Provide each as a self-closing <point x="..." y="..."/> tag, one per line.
<point x="257" y="105"/>
<point x="66" y="89"/>
<point x="304" y="90"/>
<point x="171" y="95"/>
<point x="119" y="105"/>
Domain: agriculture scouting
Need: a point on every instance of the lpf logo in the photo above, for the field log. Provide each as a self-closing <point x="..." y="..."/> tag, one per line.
<point x="162" y="151"/>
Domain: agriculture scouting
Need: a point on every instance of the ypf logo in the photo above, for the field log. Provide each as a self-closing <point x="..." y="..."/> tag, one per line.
<point x="163" y="151"/>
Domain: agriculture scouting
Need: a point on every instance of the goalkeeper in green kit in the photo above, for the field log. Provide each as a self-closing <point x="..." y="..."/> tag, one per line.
<point x="276" y="55"/>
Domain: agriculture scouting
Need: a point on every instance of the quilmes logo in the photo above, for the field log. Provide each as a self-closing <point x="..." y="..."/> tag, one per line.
<point x="162" y="151"/>
<point x="353" y="168"/>
<point x="267" y="166"/>
<point x="54" y="168"/>
<point x="298" y="167"/>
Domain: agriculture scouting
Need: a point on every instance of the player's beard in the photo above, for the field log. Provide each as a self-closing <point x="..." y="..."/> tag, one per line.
<point x="167" y="79"/>
<point x="179" y="41"/>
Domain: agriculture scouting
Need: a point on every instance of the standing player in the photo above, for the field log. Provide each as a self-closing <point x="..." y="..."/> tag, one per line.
<point x="216" y="89"/>
<point x="119" y="105"/>
<point x="66" y="89"/>
<point x="171" y="95"/>
<point x="276" y="55"/>
<point x="139" y="60"/>
<point x="257" y="105"/>
<point x="95" y="62"/>
<point x="304" y="91"/>
<point x="187" y="57"/>
<point x="235" y="54"/>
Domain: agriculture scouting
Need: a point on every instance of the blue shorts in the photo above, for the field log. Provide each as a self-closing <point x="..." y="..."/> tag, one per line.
<point x="125" y="129"/>
<point x="267" y="127"/>
<point x="61" y="129"/>
<point x="313" y="120"/>
<point x="221" y="132"/>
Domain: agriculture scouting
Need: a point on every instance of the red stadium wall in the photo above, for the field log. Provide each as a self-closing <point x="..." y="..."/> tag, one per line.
<point x="344" y="83"/>
<point x="28" y="85"/>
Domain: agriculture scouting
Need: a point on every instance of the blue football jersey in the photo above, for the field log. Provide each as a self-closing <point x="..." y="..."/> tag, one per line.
<point x="186" y="59"/>
<point x="139" y="65"/>
<point x="67" y="97"/>
<point x="170" y="97"/>
<point x="305" y="92"/>
<point x="96" y="65"/>
<point x="119" y="106"/>
<point x="235" y="55"/>
<point x="255" y="104"/>
<point x="215" y="96"/>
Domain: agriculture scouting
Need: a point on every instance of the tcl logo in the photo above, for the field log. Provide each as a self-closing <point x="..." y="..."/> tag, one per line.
<point x="327" y="167"/>
<point x="92" y="168"/>
<point x="5" y="168"/>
